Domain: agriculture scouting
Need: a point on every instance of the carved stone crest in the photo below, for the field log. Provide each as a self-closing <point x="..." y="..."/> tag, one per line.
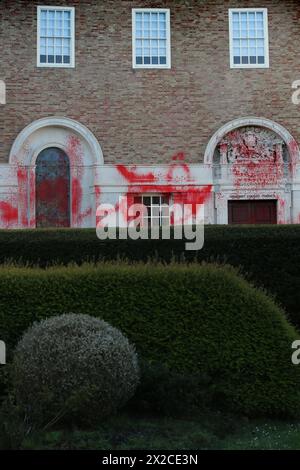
<point x="251" y="144"/>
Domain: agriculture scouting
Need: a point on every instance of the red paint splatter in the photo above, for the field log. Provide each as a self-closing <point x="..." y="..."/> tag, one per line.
<point x="22" y="190"/>
<point x="254" y="164"/>
<point x="191" y="195"/>
<point x="54" y="190"/>
<point x="32" y="192"/>
<point x="9" y="214"/>
<point x="132" y="176"/>
<point x="258" y="174"/>
<point x="74" y="150"/>
<point x="178" y="160"/>
<point x="76" y="200"/>
<point x="294" y="155"/>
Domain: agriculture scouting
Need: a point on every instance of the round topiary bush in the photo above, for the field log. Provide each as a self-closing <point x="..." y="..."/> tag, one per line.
<point x="74" y="368"/>
<point x="201" y="319"/>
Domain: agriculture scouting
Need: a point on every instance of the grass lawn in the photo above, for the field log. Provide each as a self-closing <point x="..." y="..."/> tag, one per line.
<point x="213" y="431"/>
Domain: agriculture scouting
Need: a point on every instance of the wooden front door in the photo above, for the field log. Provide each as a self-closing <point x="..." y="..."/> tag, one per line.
<point x="52" y="188"/>
<point x="252" y="212"/>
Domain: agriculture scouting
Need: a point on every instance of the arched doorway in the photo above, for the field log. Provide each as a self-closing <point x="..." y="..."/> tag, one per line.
<point x="253" y="162"/>
<point x="52" y="188"/>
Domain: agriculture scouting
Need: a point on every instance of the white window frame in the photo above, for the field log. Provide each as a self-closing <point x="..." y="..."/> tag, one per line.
<point x="266" y="37"/>
<point x="160" y="206"/>
<point x="168" y="38"/>
<point x="72" y="56"/>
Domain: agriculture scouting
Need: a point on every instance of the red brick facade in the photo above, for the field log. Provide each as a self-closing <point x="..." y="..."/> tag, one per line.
<point x="198" y="132"/>
<point x="145" y="116"/>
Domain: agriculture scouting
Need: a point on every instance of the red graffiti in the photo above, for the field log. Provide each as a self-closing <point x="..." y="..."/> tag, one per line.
<point x="9" y="214"/>
<point x="32" y="193"/>
<point x="23" y="202"/>
<point x="179" y="164"/>
<point x="133" y="177"/>
<point x="258" y="174"/>
<point x="77" y="215"/>
<point x="76" y="199"/>
<point x="74" y="150"/>
<point x="191" y="195"/>
<point x="257" y="162"/>
<point x="54" y="190"/>
<point x="294" y="155"/>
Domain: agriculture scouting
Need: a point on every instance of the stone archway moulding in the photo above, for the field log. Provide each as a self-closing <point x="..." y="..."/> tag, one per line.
<point x="23" y="158"/>
<point x="291" y="143"/>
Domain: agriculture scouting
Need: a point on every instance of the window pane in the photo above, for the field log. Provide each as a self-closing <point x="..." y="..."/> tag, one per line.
<point x="249" y="27"/>
<point x="163" y="34"/>
<point x="244" y="33"/>
<point x="67" y="16"/>
<point x="165" y="211"/>
<point x="56" y="26"/>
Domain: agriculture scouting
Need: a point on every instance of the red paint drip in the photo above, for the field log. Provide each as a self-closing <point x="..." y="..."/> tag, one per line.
<point x="133" y="177"/>
<point x="49" y="189"/>
<point x="74" y="150"/>
<point x="76" y="199"/>
<point x="22" y="190"/>
<point x="9" y="214"/>
<point x="258" y="174"/>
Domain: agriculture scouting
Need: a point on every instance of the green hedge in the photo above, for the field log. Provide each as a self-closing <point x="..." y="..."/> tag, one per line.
<point x="192" y="318"/>
<point x="268" y="255"/>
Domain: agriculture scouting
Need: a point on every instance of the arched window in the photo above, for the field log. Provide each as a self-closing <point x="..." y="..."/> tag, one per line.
<point x="52" y="188"/>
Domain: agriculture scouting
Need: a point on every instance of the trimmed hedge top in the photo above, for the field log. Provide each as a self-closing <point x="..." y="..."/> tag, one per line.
<point x="192" y="318"/>
<point x="268" y="255"/>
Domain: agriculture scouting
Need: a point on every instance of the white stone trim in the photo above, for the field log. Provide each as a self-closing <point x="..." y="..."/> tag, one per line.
<point x="17" y="156"/>
<point x="223" y="196"/>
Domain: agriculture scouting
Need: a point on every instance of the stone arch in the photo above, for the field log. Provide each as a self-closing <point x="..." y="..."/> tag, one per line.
<point x="255" y="160"/>
<point x="84" y="153"/>
<point x="290" y="142"/>
<point x="50" y="132"/>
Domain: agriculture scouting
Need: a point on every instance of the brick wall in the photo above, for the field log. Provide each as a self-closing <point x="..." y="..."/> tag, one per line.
<point x="145" y="116"/>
